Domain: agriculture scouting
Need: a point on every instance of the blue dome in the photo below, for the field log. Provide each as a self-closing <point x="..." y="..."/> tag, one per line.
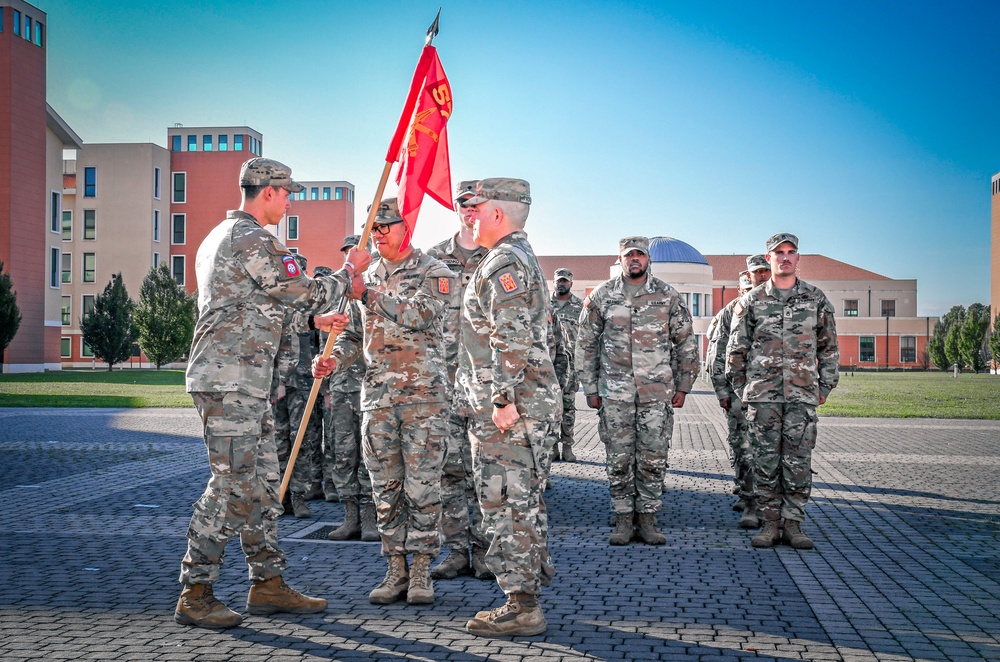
<point x="668" y="249"/>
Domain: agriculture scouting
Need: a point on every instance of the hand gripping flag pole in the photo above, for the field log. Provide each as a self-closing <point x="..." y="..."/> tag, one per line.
<point x="424" y="168"/>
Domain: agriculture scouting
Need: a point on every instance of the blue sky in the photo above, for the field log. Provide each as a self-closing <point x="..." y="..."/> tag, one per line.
<point x="869" y="129"/>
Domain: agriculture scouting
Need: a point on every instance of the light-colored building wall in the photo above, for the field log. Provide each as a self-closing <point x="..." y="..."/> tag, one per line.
<point x="995" y="247"/>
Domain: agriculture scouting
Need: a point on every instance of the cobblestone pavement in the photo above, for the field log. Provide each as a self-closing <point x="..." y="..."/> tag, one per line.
<point x="905" y="515"/>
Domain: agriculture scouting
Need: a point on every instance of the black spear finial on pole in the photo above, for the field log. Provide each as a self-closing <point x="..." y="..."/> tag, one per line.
<point x="434" y="29"/>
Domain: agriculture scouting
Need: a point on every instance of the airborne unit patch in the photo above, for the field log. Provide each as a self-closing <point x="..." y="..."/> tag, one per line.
<point x="291" y="266"/>
<point x="507" y="282"/>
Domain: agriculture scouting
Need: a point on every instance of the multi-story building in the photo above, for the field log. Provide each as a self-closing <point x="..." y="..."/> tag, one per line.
<point x="995" y="251"/>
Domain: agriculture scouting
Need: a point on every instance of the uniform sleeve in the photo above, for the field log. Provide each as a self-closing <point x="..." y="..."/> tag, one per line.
<point x="740" y="337"/>
<point x="827" y="349"/>
<point x="588" y="346"/>
<point x="684" y="357"/>
<point x="559" y="352"/>
<point x="417" y="312"/>
<point x="350" y="343"/>
<point x="715" y="357"/>
<point x="511" y="337"/>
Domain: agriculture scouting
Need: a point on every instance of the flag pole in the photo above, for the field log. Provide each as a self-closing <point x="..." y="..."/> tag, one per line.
<point x="391" y="156"/>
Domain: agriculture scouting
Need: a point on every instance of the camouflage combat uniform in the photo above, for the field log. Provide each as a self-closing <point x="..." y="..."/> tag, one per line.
<point x="458" y="494"/>
<point x="635" y="352"/>
<point x="781" y="357"/>
<point x="246" y="279"/>
<point x="506" y="340"/>
<point x="741" y="455"/>
<point x="568" y="313"/>
<point x="343" y="469"/>
<point x="405" y="398"/>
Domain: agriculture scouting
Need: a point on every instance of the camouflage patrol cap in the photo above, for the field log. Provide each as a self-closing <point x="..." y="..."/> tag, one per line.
<point x="563" y="274"/>
<point x="465" y="190"/>
<point x="777" y="239"/>
<point x="633" y="243"/>
<point x="500" y="188"/>
<point x="388" y="212"/>
<point x="268" y="172"/>
<point x="745" y="283"/>
<point x="350" y="241"/>
<point x="322" y="271"/>
<point x="301" y="260"/>
<point x="755" y="262"/>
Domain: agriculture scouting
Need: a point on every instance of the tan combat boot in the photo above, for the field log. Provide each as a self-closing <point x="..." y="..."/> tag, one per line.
<point x="767" y="536"/>
<point x="198" y="606"/>
<point x="351" y="528"/>
<point x="793" y="535"/>
<point x="519" y="616"/>
<point x="647" y="530"/>
<point x="299" y="506"/>
<point x="421" y="588"/>
<point x="272" y="596"/>
<point x="369" y="523"/>
<point x="567" y="452"/>
<point x="479" y="568"/>
<point x="749" y="519"/>
<point x="622" y="534"/>
<point x="455" y="564"/>
<point x="393" y="587"/>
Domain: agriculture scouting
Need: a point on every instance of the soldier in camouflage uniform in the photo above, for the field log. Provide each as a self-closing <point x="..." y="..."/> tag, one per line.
<point x="741" y="455"/>
<point x="458" y="494"/>
<point x="782" y="360"/>
<point x="637" y="358"/>
<point x="567" y="307"/>
<point x="346" y="477"/>
<point x="246" y="281"/>
<point x="506" y="372"/>
<point x="405" y="399"/>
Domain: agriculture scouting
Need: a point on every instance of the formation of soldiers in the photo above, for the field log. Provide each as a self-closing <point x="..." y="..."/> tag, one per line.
<point x="451" y="390"/>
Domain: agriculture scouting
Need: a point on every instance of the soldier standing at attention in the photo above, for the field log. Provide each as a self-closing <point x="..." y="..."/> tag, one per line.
<point x="246" y="281"/>
<point x="567" y="307"/>
<point x="741" y="454"/>
<point x="637" y="359"/>
<point x="405" y="400"/>
<point x="783" y="362"/>
<point x="506" y="372"/>
<point x="462" y="255"/>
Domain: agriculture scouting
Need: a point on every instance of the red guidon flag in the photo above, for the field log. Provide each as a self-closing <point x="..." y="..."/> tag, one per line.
<point x="423" y="156"/>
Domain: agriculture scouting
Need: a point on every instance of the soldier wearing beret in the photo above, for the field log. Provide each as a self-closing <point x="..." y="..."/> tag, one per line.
<point x="505" y="369"/>
<point x="405" y="400"/>
<point x="782" y="361"/>
<point x="458" y="494"/>
<point x="637" y="359"/>
<point x="567" y="307"/>
<point x="247" y="280"/>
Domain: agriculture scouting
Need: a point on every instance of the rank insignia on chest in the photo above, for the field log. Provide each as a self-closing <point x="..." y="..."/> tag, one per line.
<point x="291" y="266"/>
<point x="444" y="285"/>
<point x="507" y="282"/>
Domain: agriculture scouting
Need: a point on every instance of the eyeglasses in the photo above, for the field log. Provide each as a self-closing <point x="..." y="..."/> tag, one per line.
<point x="382" y="229"/>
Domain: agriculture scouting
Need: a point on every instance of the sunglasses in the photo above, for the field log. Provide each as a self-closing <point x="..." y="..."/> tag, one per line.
<point x="383" y="228"/>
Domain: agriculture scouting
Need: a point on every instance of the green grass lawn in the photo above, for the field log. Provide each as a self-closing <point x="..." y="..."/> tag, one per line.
<point x="98" y="388"/>
<point x="915" y="395"/>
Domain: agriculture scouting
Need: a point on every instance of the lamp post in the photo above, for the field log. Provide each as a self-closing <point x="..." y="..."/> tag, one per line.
<point x="886" y="342"/>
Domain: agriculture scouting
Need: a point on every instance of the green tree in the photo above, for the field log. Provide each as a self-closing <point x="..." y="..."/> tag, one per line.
<point x="972" y="336"/>
<point x="936" y="346"/>
<point x="164" y="317"/>
<point x="109" y="329"/>
<point x="953" y="346"/>
<point x="10" y="314"/>
<point x="995" y="340"/>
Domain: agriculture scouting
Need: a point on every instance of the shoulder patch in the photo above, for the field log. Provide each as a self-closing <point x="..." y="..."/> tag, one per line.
<point x="444" y="285"/>
<point x="279" y="249"/>
<point x="291" y="266"/>
<point x="494" y="261"/>
<point x="508" y="282"/>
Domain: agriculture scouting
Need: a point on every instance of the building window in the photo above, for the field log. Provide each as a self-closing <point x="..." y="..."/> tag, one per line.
<point x="850" y="308"/>
<point x="293" y="251"/>
<point x="65" y="345"/>
<point x="54" y="274"/>
<point x="206" y="143"/>
<point x="39" y="34"/>
<point x="866" y="349"/>
<point x="223" y="143"/>
<point x="156" y="225"/>
<point x="293" y="227"/>
<point x="339" y="193"/>
<point x="238" y="143"/>
<point x="27" y="28"/>
<point x="85" y="349"/>
<point x="90" y="182"/>
<point x="180" y="187"/>
<point x="90" y="224"/>
<point x="888" y="307"/>
<point x="350" y="195"/>
<point x="192" y="143"/>
<point x="56" y="209"/>
<point x="67" y="226"/>
<point x="302" y="194"/>
<point x="67" y="311"/>
<point x="696" y="305"/>
<point x="908" y="349"/>
<point x="326" y="192"/>
<point x="314" y="193"/>
<point x="89" y="268"/>
<point x="156" y="183"/>
<point x="67" y="267"/>
<point x="88" y="304"/>
<point x="156" y="260"/>
<point x="177" y="233"/>
<point x="175" y="143"/>
<point x="17" y="23"/>
<point x="178" y="268"/>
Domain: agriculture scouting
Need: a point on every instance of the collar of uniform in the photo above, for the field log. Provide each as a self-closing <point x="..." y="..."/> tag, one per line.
<point x="516" y="235"/>
<point x="619" y="284"/>
<point x="770" y="288"/>
<point x="409" y="263"/>
<point x="239" y="213"/>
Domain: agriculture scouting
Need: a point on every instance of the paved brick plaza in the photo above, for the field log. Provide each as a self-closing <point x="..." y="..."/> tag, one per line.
<point x="905" y="516"/>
